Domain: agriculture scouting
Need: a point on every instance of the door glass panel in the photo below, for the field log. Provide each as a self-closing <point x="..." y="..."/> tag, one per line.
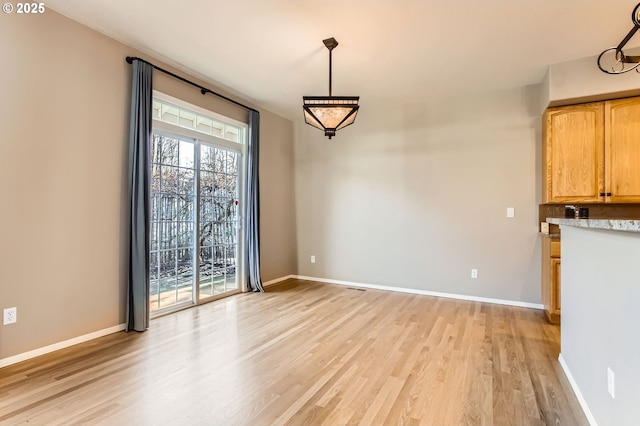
<point x="171" y="274"/>
<point x="194" y="221"/>
<point x="218" y="220"/>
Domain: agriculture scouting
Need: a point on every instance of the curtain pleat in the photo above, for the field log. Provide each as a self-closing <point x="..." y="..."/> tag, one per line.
<point x="139" y="172"/>
<point x="254" y="282"/>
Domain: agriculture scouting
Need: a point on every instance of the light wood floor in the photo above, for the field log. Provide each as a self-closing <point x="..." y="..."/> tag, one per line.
<point x="306" y="353"/>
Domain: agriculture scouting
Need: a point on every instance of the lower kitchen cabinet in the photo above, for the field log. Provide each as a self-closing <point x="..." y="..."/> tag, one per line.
<point x="551" y="278"/>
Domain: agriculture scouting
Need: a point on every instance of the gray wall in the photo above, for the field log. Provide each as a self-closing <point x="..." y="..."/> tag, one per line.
<point x="414" y="196"/>
<point x="63" y="132"/>
<point x="601" y="319"/>
<point x="581" y="80"/>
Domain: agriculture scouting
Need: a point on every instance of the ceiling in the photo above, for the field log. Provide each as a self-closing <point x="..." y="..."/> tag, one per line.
<point x="392" y="51"/>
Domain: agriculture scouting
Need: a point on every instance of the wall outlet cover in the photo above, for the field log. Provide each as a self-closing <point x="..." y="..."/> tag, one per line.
<point x="544" y="228"/>
<point x="611" y="386"/>
<point x="10" y="316"/>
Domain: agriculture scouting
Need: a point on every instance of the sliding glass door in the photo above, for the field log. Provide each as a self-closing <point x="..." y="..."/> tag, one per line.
<point x="195" y="222"/>
<point x="219" y="227"/>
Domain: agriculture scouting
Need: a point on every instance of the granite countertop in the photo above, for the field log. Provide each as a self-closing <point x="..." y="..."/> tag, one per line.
<point x="628" y="225"/>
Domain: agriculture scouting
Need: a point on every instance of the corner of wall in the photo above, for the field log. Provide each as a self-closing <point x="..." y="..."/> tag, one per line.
<point x="544" y="94"/>
<point x="576" y="391"/>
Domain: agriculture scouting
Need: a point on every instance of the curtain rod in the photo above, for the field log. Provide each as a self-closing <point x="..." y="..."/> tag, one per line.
<point x="203" y="90"/>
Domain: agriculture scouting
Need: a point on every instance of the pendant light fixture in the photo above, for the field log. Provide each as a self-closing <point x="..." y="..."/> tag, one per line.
<point x="613" y="60"/>
<point x="330" y="113"/>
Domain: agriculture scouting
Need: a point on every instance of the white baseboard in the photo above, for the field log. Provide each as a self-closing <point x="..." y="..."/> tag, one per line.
<point x="576" y="390"/>
<point x="60" y="345"/>
<point x="424" y="292"/>
<point x="277" y="280"/>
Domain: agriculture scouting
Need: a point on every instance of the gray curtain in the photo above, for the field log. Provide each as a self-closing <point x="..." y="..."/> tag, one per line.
<point x="139" y="172"/>
<point x="254" y="282"/>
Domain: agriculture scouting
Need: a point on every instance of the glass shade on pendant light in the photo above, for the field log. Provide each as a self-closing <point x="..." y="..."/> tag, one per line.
<point x="330" y="113"/>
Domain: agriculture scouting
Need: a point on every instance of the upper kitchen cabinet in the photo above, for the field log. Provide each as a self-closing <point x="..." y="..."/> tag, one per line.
<point x="622" y="150"/>
<point x="591" y="152"/>
<point x="573" y="153"/>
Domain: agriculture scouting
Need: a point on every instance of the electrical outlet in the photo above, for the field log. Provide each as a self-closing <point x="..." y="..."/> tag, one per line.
<point x="511" y="212"/>
<point x="474" y="273"/>
<point x="10" y="316"/>
<point x="313" y="259"/>
<point x="611" y="385"/>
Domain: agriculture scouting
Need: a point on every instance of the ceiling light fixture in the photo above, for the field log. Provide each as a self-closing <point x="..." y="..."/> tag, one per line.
<point x="613" y="60"/>
<point x="330" y="113"/>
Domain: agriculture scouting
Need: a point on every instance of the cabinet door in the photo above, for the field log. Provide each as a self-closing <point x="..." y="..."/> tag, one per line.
<point x="622" y="150"/>
<point x="574" y="153"/>
<point x="551" y="279"/>
<point x="555" y="287"/>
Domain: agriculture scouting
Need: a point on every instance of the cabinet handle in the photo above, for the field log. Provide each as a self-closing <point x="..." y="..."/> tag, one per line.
<point x="608" y="194"/>
<point x="602" y="194"/>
